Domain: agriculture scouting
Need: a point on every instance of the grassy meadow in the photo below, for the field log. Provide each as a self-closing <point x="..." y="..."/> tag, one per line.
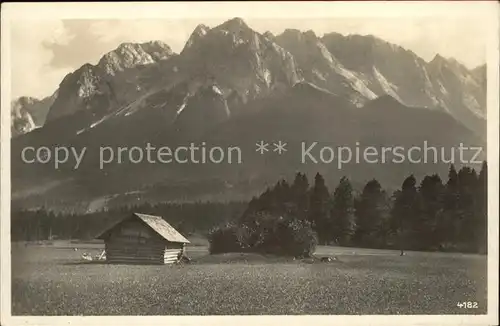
<point x="54" y="280"/>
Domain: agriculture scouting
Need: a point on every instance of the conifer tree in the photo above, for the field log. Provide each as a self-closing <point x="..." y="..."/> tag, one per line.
<point x="371" y="212"/>
<point x="280" y="198"/>
<point x="430" y="227"/>
<point x="450" y="206"/>
<point x="342" y="213"/>
<point x="404" y="211"/>
<point x="319" y="208"/>
<point x="300" y="195"/>
<point x="467" y="208"/>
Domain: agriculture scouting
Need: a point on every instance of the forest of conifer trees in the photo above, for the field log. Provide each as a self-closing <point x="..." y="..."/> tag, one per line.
<point x="428" y="214"/>
<point x="188" y="218"/>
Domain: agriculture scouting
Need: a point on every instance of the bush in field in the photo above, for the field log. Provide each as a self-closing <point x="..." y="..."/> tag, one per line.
<point x="265" y="233"/>
<point x="294" y="237"/>
<point x="228" y="238"/>
<point x="259" y="229"/>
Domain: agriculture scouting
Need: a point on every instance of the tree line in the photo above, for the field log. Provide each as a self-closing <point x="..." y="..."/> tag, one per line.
<point x="433" y="215"/>
<point x="188" y="218"/>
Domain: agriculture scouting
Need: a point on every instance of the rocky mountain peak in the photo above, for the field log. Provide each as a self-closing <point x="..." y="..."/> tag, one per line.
<point x="77" y="89"/>
<point x="440" y="64"/>
<point x="201" y="29"/>
<point x="96" y="86"/>
<point x="129" y="55"/>
<point x="26" y="100"/>
<point x="480" y="74"/>
<point x="247" y="65"/>
<point x="239" y="59"/>
<point x="21" y="122"/>
<point x="310" y="34"/>
<point x="234" y="25"/>
<point x="322" y="67"/>
<point x="199" y="32"/>
<point x="438" y="61"/>
<point x="295" y="35"/>
<point x="234" y="30"/>
<point x="29" y="113"/>
<point x="158" y="50"/>
<point x="269" y="35"/>
<point x="480" y="68"/>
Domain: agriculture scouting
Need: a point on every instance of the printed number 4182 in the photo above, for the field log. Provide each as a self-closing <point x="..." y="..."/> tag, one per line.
<point x="467" y="304"/>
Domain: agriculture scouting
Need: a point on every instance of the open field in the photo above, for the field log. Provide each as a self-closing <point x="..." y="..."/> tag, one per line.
<point x="53" y="280"/>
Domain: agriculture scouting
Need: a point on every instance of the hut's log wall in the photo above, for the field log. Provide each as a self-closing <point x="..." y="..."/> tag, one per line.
<point x="117" y="251"/>
<point x="172" y="252"/>
<point x="135" y="243"/>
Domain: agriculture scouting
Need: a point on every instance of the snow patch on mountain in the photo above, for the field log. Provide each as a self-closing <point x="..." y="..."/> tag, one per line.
<point x="301" y="84"/>
<point x="318" y="74"/>
<point x="326" y="54"/>
<point x="442" y="89"/>
<point x="428" y="82"/>
<point x="181" y="107"/>
<point x="217" y="90"/>
<point x="94" y="124"/>
<point x="267" y="77"/>
<point x="471" y="102"/>
<point x="98" y="122"/>
<point x="357" y="83"/>
<point x="389" y="88"/>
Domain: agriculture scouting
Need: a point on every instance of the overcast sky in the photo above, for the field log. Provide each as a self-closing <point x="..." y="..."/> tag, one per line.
<point x="43" y="52"/>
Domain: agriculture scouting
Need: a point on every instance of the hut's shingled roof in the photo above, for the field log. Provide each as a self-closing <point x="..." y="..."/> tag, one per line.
<point x="158" y="224"/>
<point x="162" y="228"/>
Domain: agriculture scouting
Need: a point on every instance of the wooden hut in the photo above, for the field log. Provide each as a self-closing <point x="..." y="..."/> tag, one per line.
<point x="142" y="238"/>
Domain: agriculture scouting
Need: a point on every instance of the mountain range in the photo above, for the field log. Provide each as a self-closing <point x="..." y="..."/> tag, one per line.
<point x="233" y="85"/>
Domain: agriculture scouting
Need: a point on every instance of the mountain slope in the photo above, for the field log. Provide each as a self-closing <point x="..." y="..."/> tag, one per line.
<point x="232" y="86"/>
<point x="303" y="114"/>
<point x="114" y="81"/>
<point x="320" y="67"/>
<point x="244" y="63"/>
<point x="389" y="69"/>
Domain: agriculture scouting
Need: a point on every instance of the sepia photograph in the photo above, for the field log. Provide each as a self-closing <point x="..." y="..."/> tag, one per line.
<point x="294" y="160"/>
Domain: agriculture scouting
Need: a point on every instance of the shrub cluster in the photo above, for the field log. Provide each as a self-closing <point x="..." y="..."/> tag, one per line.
<point x="267" y="234"/>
